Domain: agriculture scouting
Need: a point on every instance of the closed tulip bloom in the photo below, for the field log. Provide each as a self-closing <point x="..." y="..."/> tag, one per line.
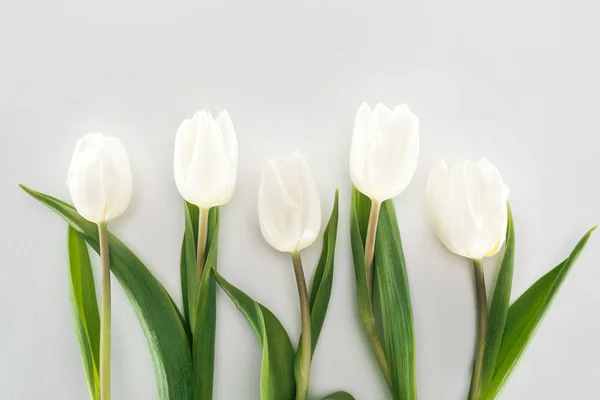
<point x="469" y="207"/>
<point x="99" y="178"/>
<point x="206" y="158"/>
<point x="289" y="210"/>
<point x="384" y="150"/>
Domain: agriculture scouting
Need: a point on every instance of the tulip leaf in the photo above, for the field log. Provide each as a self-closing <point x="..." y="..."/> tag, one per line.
<point x="525" y="315"/>
<point x="161" y="321"/>
<point x="360" y="206"/>
<point x="84" y="305"/>
<point x="189" y="286"/>
<point x="395" y="304"/>
<point x="277" y="372"/>
<point x="499" y="307"/>
<point x="339" y="396"/>
<point x="204" y="331"/>
<point x="320" y="291"/>
<point x="359" y="215"/>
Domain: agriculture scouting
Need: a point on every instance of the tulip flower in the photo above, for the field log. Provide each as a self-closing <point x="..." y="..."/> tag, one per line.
<point x="383" y="160"/>
<point x="468" y="205"/>
<point x="100" y="178"/>
<point x="470" y="213"/>
<point x="100" y="184"/>
<point x="205" y="167"/>
<point x="289" y="213"/>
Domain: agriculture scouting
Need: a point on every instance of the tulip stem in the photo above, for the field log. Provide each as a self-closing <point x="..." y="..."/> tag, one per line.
<point x="482" y="316"/>
<point x="303" y="373"/>
<point x="105" y="314"/>
<point x="370" y="244"/>
<point x="202" y="236"/>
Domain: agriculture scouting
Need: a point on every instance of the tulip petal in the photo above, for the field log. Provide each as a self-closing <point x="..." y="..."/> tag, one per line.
<point x="289" y="210"/>
<point x="311" y="206"/>
<point x="205" y="163"/>
<point x="362" y="128"/>
<point x="117" y="178"/>
<point x="279" y="215"/>
<point x="393" y="160"/>
<point x="99" y="178"/>
<point x="468" y="205"/>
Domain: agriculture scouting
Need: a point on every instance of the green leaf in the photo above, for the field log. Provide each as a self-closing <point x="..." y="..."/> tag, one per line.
<point x="161" y="321"/>
<point x="395" y="304"/>
<point x="500" y="304"/>
<point x="359" y="216"/>
<point x="204" y="331"/>
<point x="189" y="288"/>
<point x="320" y="290"/>
<point x="277" y="372"/>
<point x="525" y="315"/>
<point x="84" y="306"/>
<point x="339" y="396"/>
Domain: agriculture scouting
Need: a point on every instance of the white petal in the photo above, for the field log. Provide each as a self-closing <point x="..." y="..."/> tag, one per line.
<point x="381" y="113"/>
<point x="279" y="217"/>
<point x="205" y="164"/>
<point x="99" y="178"/>
<point x="468" y="205"/>
<point x="393" y="160"/>
<point x="311" y="206"/>
<point x="359" y="147"/>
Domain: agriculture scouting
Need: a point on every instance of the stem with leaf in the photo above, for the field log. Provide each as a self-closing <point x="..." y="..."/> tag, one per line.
<point x="303" y="375"/>
<point x="105" y="314"/>
<point x="202" y="236"/>
<point x="370" y="243"/>
<point x="482" y="317"/>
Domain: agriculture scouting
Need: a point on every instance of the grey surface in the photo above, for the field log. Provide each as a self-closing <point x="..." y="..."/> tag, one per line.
<point x="514" y="81"/>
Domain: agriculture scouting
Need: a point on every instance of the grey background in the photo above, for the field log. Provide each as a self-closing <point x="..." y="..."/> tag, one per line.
<point x="514" y="81"/>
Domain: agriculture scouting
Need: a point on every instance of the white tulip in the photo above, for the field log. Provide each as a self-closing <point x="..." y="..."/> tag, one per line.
<point x="206" y="158"/>
<point x="100" y="178"/>
<point x="384" y="150"/>
<point x="289" y="210"/>
<point x="469" y="207"/>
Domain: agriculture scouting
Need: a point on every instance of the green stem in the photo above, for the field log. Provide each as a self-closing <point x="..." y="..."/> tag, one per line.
<point x="202" y="236"/>
<point x="105" y="314"/>
<point x="370" y="244"/>
<point x="482" y="317"/>
<point x="303" y="376"/>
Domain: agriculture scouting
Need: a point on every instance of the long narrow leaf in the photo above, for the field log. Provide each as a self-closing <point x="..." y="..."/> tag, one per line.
<point x="320" y="290"/>
<point x="277" y="373"/>
<point x="161" y="321"/>
<point x="359" y="208"/>
<point x="84" y="306"/>
<point x="500" y="304"/>
<point x="395" y="304"/>
<point x="189" y="287"/>
<point x="525" y="315"/>
<point x="204" y="331"/>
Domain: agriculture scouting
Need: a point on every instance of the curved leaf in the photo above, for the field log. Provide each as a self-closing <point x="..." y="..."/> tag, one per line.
<point x="277" y="372"/>
<point x="499" y="307"/>
<point x="204" y="331"/>
<point x="320" y="291"/>
<point x="395" y="304"/>
<point x="161" y="321"/>
<point x="84" y="306"/>
<point x="525" y="315"/>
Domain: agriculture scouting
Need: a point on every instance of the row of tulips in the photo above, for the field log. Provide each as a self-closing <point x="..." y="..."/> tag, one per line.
<point x="469" y="210"/>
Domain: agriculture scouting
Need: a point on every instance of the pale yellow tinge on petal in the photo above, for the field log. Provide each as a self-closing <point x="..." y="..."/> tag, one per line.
<point x="494" y="249"/>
